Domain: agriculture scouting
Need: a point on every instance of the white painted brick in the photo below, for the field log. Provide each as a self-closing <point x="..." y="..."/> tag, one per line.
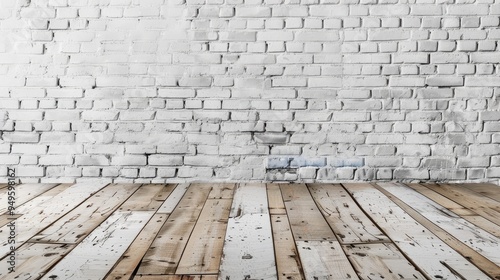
<point x="129" y="160"/>
<point x="388" y="35"/>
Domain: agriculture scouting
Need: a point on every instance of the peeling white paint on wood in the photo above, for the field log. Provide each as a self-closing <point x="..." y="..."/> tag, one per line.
<point x="248" y="247"/>
<point x="435" y="258"/>
<point x="96" y="255"/>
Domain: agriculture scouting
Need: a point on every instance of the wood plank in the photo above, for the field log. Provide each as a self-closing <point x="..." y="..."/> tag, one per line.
<point x="41" y="216"/>
<point x="287" y="257"/>
<point x="442" y="200"/>
<point x="306" y="220"/>
<point x="77" y="224"/>
<point x="458" y="209"/>
<point x="481" y="205"/>
<point x="220" y="190"/>
<point x="96" y="254"/>
<point x="485" y="224"/>
<point x="348" y="221"/>
<point x="126" y="265"/>
<point x="148" y="197"/>
<point x="489" y="190"/>
<point x="175" y="277"/>
<point x="381" y="261"/>
<point x="33" y="260"/>
<point x="325" y="260"/>
<point x="173" y="199"/>
<point x="24" y="193"/>
<point x="26" y="207"/>
<point x="476" y="238"/>
<point x="248" y="248"/>
<point x="434" y="258"/>
<point x="204" y="249"/>
<point x="275" y="200"/>
<point x="466" y="197"/>
<point x="6" y="218"/>
<point x="164" y="254"/>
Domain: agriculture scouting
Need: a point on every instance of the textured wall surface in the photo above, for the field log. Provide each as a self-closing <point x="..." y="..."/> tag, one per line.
<point x="294" y="90"/>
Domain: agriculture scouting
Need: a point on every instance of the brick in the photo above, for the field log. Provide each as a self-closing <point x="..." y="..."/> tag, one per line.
<point x="56" y="160"/>
<point x="99" y="115"/>
<point x="431" y="93"/>
<point x="328" y="10"/>
<point x="388" y="35"/>
<point x="30" y="171"/>
<point x="62" y="115"/>
<point x="165" y="160"/>
<point x="426" y="10"/>
<point x="447" y="58"/>
<point x="394" y="10"/>
<point x="490" y="116"/>
<point x="420" y="58"/>
<point x="25" y="115"/>
<point x="364" y="81"/>
<point x="329" y="82"/>
<point x="395" y="81"/>
<point x="472" y="81"/>
<point x="367" y="58"/>
<point x="129" y="160"/>
<point x="316" y="36"/>
<point x="468" y="9"/>
<point x="445" y="81"/>
<point x="405" y="173"/>
<point x="237" y="36"/>
<point x="9" y="159"/>
<point x="137" y="115"/>
<point x="253" y="12"/>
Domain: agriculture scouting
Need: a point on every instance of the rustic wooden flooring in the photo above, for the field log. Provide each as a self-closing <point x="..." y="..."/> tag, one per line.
<point x="252" y="231"/>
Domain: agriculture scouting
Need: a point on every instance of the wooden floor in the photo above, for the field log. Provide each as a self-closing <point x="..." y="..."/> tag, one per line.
<point x="252" y="231"/>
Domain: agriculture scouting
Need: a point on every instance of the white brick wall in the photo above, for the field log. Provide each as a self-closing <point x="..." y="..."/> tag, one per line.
<point x="164" y="90"/>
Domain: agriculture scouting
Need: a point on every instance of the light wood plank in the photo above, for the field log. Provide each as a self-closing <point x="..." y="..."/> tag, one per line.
<point x="33" y="260"/>
<point x="204" y="250"/>
<point x="24" y="193"/>
<point x="434" y="258"/>
<point x="158" y="277"/>
<point x="96" y="254"/>
<point x="148" y="197"/>
<point x="483" y="206"/>
<point x="173" y="199"/>
<point x="275" y="200"/>
<point x="220" y="190"/>
<point x="325" y="260"/>
<point x="248" y="248"/>
<point x="476" y="238"/>
<point x="466" y="197"/>
<point x="175" y="277"/>
<point x="381" y="262"/>
<point x="287" y="257"/>
<point x="78" y="223"/>
<point x="306" y="220"/>
<point x="28" y="206"/>
<point x="442" y="200"/>
<point x="125" y="267"/>
<point x="489" y="190"/>
<point x="41" y="216"/>
<point x="5" y="219"/>
<point x="458" y="209"/>
<point x="485" y="224"/>
<point x="164" y="254"/>
<point x="344" y="216"/>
